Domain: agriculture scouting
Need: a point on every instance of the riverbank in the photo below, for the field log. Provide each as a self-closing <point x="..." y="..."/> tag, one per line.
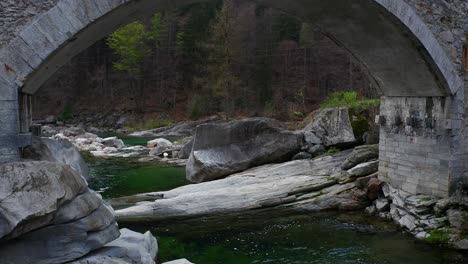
<point x="257" y="166"/>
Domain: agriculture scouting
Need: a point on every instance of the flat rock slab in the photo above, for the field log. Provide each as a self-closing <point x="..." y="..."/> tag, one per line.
<point x="256" y="188"/>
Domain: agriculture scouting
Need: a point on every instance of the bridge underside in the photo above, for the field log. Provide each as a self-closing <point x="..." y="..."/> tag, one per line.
<point x="421" y="109"/>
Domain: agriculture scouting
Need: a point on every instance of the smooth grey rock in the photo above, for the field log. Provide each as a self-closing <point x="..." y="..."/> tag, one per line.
<point x="31" y="191"/>
<point x="382" y="205"/>
<point x="461" y="244"/>
<point x="186" y="150"/>
<point x="364" y="169"/>
<point x="422" y="235"/>
<point x="316" y="150"/>
<point x="361" y="154"/>
<point x="457" y="218"/>
<point x="182" y="130"/>
<point x="408" y="221"/>
<point x="159" y="146"/>
<point x="397" y="196"/>
<point x="61" y="151"/>
<point x="371" y="210"/>
<point x="302" y="156"/>
<point x="73" y="131"/>
<point x="226" y="148"/>
<point x="179" y="261"/>
<point x="64" y="242"/>
<point x="332" y="126"/>
<point x="311" y="139"/>
<point x="266" y="186"/>
<point x="81" y="206"/>
<point x="113" y="142"/>
<point x="131" y="247"/>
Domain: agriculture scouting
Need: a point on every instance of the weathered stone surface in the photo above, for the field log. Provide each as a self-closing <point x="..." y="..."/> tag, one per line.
<point x="364" y="169"/>
<point x="382" y="205"/>
<point x="316" y="150"/>
<point x="130" y="248"/>
<point x="73" y="131"/>
<point x="302" y="155"/>
<point x="458" y="218"/>
<point x="332" y="126"/>
<point x="186" y="150"/>
<point x="361" y="154"/>
<point x="185" y="129"/>
<point x="22" y="183"/>
<point x="261" y="187"/>
<point x="159" y="146"/>
<point x="179" y="261"/>
<point x="113" y="142"/>
<point x="226" y="148"/>
<point x="61" y="151"/>
<point x="63" y="242"/>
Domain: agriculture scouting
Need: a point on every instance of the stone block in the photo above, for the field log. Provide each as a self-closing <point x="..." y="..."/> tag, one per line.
<point x="24" y="139"/>
<point x="10" y="158"/>
<point x="37" y="41"/>
<point x="75" y="13"/>
<point x="103" y="6"/>
<point x="92" y="9"/>
<point x="26" y="52"/>
<point x="11" y="58"/>
<point x="116" y="3"/>
<point x="8" y="92"/>
<point x="55" y="27"/>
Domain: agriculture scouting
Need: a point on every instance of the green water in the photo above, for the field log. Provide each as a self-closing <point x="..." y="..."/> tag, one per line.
<point x="320" y="238"/>
<point x="263" y="237"/>
<point x="122" y="177"/>
<point x="128" y="140"/>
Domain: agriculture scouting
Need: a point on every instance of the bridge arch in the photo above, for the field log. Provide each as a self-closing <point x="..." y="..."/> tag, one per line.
<point x="388" y="37"/>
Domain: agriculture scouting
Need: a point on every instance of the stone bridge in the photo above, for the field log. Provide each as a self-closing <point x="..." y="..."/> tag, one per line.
<point x="414" y="51"/>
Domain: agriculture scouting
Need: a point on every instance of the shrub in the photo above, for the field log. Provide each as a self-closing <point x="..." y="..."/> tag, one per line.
<point x="349" y="100"/>
<point x="438" y="237"/>
<point x="333" y="150"/>
<point x="66" y="114"/>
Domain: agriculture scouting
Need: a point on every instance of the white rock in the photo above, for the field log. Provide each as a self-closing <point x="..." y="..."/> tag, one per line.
<point x="179" y="261"/>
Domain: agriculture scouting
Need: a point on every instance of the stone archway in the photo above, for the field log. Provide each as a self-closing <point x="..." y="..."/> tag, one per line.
<point x="388" y="37"/>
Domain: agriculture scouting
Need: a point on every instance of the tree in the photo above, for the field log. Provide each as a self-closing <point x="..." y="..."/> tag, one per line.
<point x="129" y="43"/>
<point x="134" y="44"/>
<point x="218" y="80"/>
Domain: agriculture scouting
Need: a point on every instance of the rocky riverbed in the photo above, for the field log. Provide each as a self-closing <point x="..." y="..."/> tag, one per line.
<point x="239" y="167"/>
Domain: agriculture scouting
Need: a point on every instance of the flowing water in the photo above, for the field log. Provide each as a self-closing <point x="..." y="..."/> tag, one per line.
<point x="263" y="237"/>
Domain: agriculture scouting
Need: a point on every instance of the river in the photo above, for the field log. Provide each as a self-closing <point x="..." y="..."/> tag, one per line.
<point x="262" y="237"/>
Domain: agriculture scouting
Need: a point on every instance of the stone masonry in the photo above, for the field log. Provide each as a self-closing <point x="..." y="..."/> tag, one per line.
<point x="423" y="124"/>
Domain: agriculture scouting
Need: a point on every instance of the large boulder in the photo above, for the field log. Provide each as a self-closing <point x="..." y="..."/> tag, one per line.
<point x="330" y="127"/>
<point x="60" y="151"/>
<point x="226" y="148"/>
<point x="47" y="210"/>
<point x="130" y="248"/>
<point x="31" y="192"/>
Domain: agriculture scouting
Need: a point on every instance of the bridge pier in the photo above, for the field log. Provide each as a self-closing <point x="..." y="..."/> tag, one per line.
<point x="9" y="150"/>
<point x="421" y="148"/>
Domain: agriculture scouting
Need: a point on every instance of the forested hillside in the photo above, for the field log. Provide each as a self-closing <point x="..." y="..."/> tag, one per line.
<point x="234" y="57"/>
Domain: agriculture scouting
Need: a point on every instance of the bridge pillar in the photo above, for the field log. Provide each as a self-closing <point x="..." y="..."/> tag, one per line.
<point x="421" y="148"/>
<point x="9" y="150"/>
